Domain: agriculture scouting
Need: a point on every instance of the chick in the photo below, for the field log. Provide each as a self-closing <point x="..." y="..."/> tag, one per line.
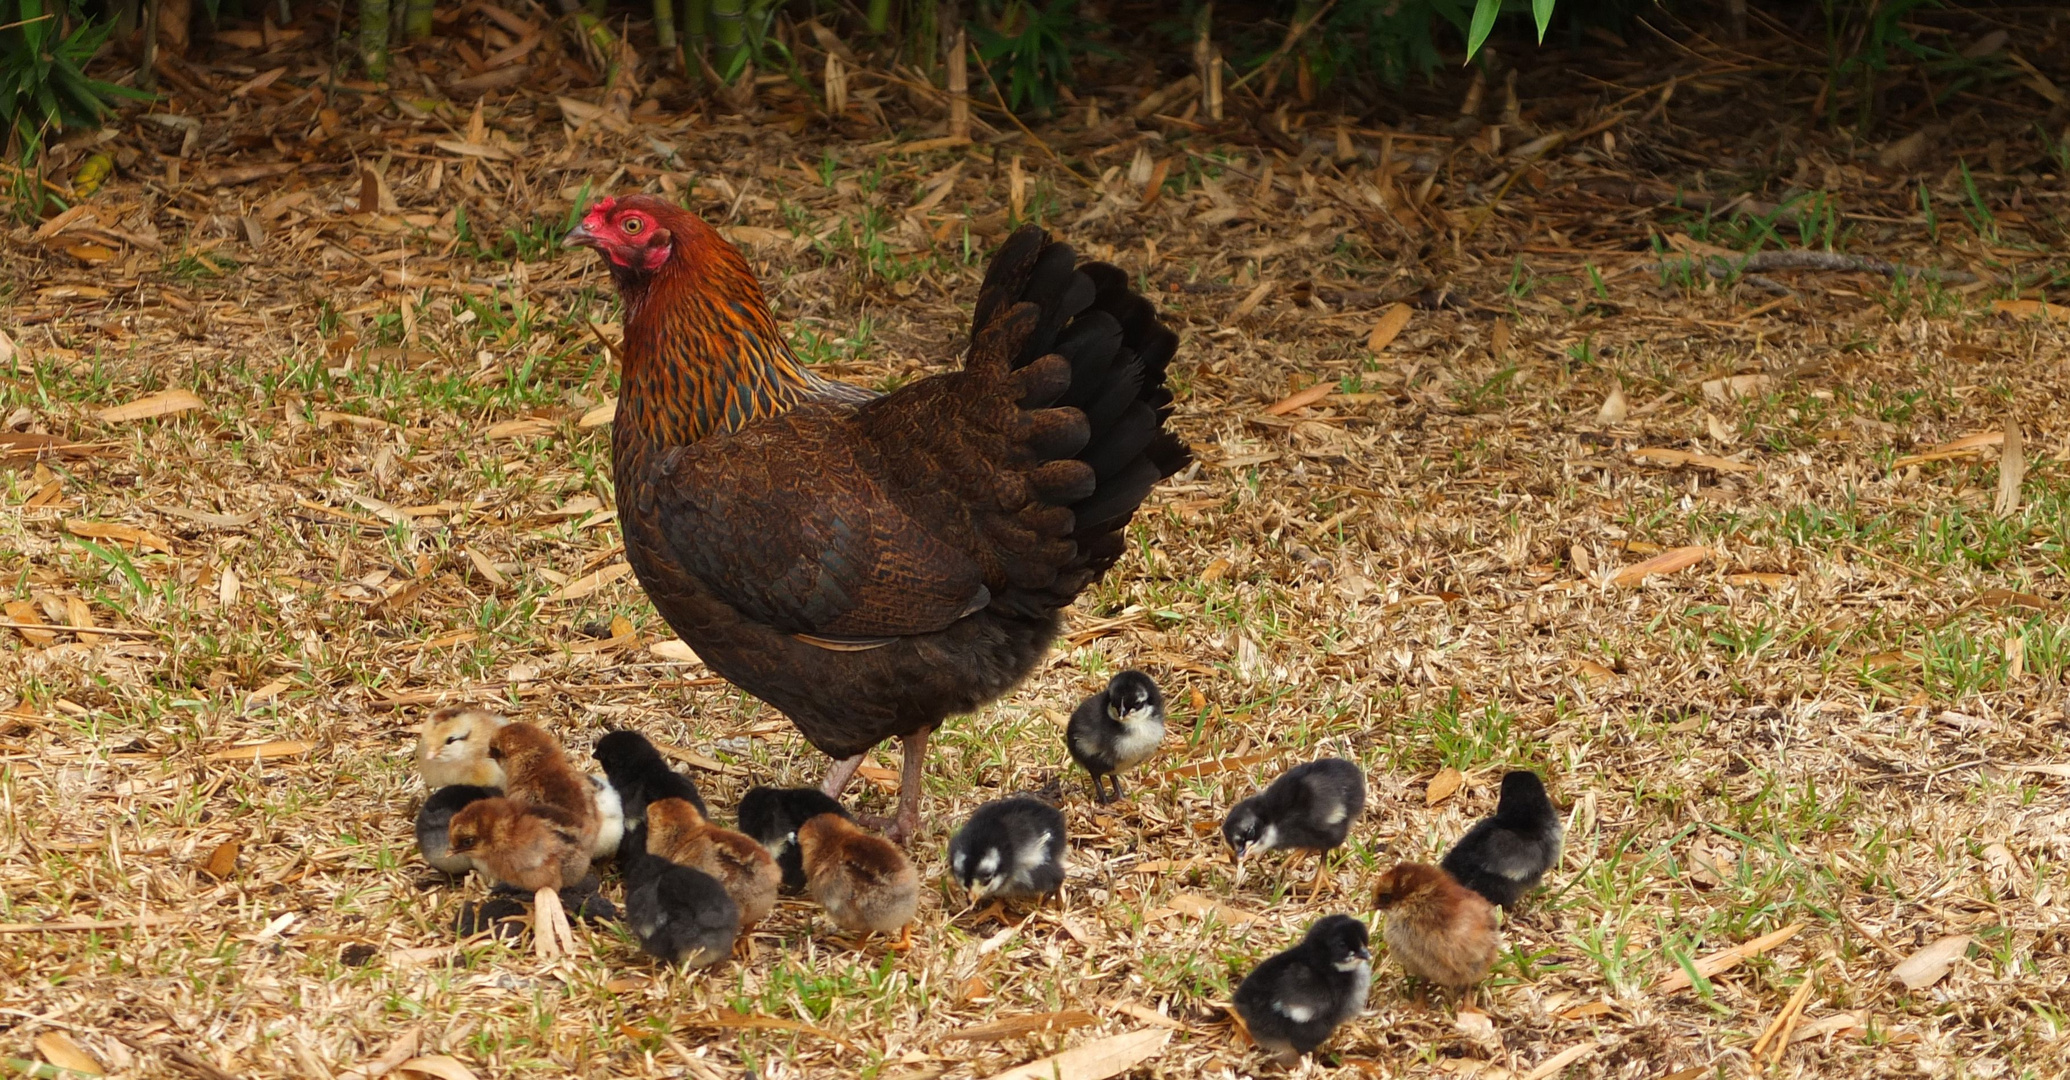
<point x="1293" y="1001"/>
<point x="539" y="778"/>
<point x="1010" y="849"/>
<point x="1310" y="808"/>
<point x="677" y="913"/>
<point x="610" y="817"/>
<point x="772" y="817"/>
<point x="1115" y="729"/>
<point x="540" y="848"/>
<point x="1436" y="928"/>
<point x="678" y="833"/>
<point x="435" y="822"/>
<point x="641" y="775"/>
<point x="1503" y="857"/>
<point x="865" y="882"/>
<point x="453" y="748"/>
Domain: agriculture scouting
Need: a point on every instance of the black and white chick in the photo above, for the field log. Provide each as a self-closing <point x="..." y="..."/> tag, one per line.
<point x="1310" y="808"/>
<point x="638" y="775"/>
<point x="1293" y="1001"/>
<point x="772" y="816"/>
<point x="435" y="822"/>
<point x="1010" y="849"/>
<point x="1118" y="728"/>
<point x="678" y="914"/>
<point x="1505" y="856"/>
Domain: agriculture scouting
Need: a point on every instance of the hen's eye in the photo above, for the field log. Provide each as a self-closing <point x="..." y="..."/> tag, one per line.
<point x="633" y="226"/>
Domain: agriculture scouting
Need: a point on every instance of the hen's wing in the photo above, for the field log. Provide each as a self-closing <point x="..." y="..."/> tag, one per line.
<point x="1004" y="484"/>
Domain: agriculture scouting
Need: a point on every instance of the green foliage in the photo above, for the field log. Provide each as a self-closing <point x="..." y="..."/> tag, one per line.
<point x="1031" y="48"/>
<point x="44" y="88"/>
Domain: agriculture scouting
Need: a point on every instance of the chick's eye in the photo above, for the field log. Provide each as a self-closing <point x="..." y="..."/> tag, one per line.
<point x="496" y="753"/>
<point x="633" y="226"/>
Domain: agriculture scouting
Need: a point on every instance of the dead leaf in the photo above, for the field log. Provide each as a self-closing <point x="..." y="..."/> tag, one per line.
<point x="440" y="1066"/>
<point x="1667" y="562"/>
<point x="1388" y="328"/>
<point x="1199" y="906"/>
<point x="1589" y="669"/>
<point x="1096" y="1060"/>
<point x="1927" y="966"/>
<point x="222" y="862"/>
<point x="1013" y="1027"/>
<point x="1720" y="962"/>
<point x="1443" y="786"/>
<point x="59" y="1049"/>
<point x="599" y="416"/>
<point x="675" y="649"/>
<point x="1615" y="407"/>
<point x="1719" y="433"/>
<point x="1251" y="301"/>
<point x="1723" y="390"/>
<point x="1558" y="1063"/>
<point x="162" y="403"/>
<point x="1665" y="456"/>
<point x="1301" y="398"/>
<point x="2012" y="469"/>
<point x="2021" y="309"/>
<point x="1966" y="446"/>
<point x="128" y="534"/>
<point x="265" y="751"/>
<point x="485" y="568"/>
<point x="1755" y="577"/>
<point x="519" y="429"/>
<point x="589" y="583"/>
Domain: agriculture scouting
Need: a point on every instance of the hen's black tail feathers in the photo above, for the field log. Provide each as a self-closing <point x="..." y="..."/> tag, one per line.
<point x="1117" y="351"/>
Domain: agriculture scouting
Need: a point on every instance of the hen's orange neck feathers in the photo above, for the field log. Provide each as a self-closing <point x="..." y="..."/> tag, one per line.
<point x="702" y="354"/>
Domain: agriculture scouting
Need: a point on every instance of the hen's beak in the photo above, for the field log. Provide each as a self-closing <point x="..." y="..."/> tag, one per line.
<point x="580" y="236"/>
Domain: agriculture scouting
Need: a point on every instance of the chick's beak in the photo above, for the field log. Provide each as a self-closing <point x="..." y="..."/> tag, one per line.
<point x="978" y="892"/>
<point x="581" y="236"/>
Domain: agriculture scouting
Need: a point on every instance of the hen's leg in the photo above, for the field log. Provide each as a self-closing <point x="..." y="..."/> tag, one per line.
<point x="839" y="775"/>
<point x="907" y="824"/>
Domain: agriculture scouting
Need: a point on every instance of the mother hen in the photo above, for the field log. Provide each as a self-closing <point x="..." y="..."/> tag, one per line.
<point x="872" y="565"/>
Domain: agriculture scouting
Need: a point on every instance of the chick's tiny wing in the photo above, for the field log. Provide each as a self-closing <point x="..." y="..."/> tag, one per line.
<point x="1300" y="994"/>
<point x="788" y="522"/>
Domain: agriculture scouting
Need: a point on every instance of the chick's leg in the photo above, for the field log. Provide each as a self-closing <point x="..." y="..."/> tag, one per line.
<point x="839" y="775"/>
<point x="907" y="824"/>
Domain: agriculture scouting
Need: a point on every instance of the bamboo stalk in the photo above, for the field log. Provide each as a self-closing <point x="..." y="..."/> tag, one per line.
<point x="665" y="25"/>
<point x="959" y="87"/>
<point x="373" y="38"/>
<point x="417" y="20"/>
<point x="729" y="38"/>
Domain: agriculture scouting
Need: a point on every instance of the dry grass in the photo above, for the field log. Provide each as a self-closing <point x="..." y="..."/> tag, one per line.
<point x="1848" y="715"/>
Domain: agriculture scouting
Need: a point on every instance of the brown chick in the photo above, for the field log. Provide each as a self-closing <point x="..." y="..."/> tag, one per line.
<point x="1437" y="928"/>
<point x="453" y="748"/>
<point x="538" y="777"/>
<point x="540" y="848"/>
<point x="537" y="773"/>
<point x="865" y="882"/>
<point x="678" y="833"/>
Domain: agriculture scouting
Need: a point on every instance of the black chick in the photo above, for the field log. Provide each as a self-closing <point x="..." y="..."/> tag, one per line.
<point x="1503" y="857"/>
<point x="1293" y="1001"/>
<point x="435" y="822"/>
<point x="1010" y="849"/>
<point x="679" y="914"/>
<point x="772" y="816"/>
<point x="1311" y="807"/>
<point x="1118" y="728"/>
<point x="641" y="776"/>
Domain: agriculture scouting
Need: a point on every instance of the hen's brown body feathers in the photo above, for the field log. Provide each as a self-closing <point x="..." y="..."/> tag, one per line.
<point x="874" y="565"/>
<point x="1436" y="928"/>
<point x="865" y="882"/>
<point x="678" y="833"/>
